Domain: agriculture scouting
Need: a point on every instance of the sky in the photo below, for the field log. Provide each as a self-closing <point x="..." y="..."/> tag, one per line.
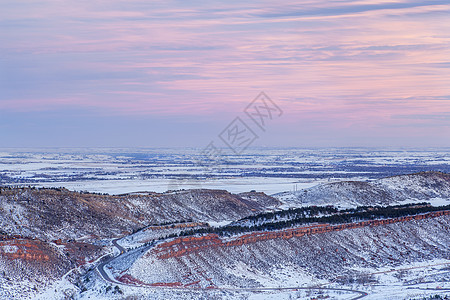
<point x="177" y="73"/>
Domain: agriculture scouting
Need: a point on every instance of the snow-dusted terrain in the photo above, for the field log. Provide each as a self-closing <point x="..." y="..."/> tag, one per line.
<point x="118" y="171"/>
<point x="61" y="214"/>
<point x="433" y="187"/>
<point x="57" y="243"/>
<point x="395" y="261"/>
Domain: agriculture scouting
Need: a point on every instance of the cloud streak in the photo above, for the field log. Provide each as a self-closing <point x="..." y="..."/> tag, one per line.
<point x="343" y="62"/>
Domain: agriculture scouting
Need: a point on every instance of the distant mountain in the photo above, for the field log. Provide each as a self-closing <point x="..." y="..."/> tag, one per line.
<point x="50" y="214"/>
<point x="418" y="187"/>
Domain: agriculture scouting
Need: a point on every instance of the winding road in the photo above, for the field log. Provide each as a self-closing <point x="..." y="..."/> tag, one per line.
<point x="360" y="294"/>
<point x="101" y="271"/>
<point x="101" y="267"/>
<point x="121" y="249"/>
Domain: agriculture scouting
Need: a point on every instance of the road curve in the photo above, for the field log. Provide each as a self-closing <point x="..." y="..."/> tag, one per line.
<point x="105" y="276"/>
<point x="101" y="267"/>
<point x="122" y="250"/>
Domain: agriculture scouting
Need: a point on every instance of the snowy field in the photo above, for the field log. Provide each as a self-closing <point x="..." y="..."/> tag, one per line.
<point x="118" y="171"/>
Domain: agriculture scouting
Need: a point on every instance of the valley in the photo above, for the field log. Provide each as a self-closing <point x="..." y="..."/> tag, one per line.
<point x="198" y="244"/>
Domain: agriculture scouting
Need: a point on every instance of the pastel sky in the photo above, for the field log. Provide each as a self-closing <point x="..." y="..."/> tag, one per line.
<point x="175" y="73"/>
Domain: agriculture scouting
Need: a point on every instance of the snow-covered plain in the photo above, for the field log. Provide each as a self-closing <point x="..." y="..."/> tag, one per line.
<point x="118" y="171"/>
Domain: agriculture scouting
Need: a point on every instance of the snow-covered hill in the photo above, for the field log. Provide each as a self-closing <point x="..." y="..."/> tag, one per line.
<point x="38" y="229"/>
<point x="347" y="259"/>
<point x="50" y="214"/>
<point x="351" y="258"/>
<point x="431" y="187"/>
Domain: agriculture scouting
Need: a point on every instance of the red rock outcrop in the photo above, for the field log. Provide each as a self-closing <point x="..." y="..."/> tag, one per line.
<point x="184" y="245"/>
<point x="22" y="248"/>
